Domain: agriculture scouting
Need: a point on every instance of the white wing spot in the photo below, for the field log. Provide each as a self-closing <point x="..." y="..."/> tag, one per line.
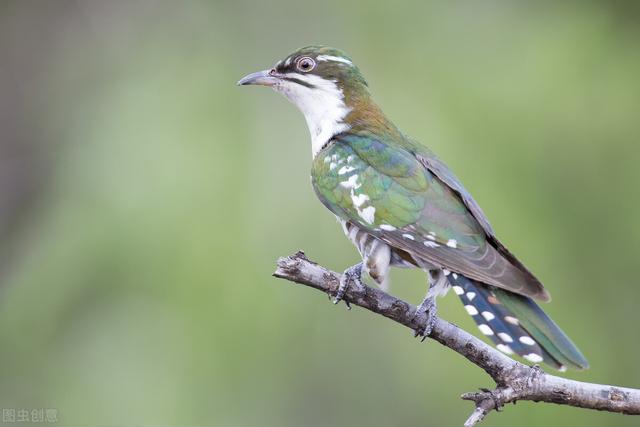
<point x="387" y="227"/>
<point x="488" y="315"/>
<point x="446" y="272"/>
<point x="430" y="244"/>
<point x="345" y="169"/>
<point x="471" y="310"/>
<point x="505" y="337"/>
<point x="526" y="340"/>
<point x="452" y="243"/>
<point x="352" y="182"/>
<point x="532" y="357"/>
<point x="359" y="199"/>
<point x="455" y="276"/>
<point x="470" y="295"/>
<point x="408" y="236"/>
<point x="512" y="320"/>
<point x="368" y="214"/>
<point x="504" y="348"/>
<point x="485" y="329"/>
<point x="431" y="237"/>
<point x="458" y="290"/>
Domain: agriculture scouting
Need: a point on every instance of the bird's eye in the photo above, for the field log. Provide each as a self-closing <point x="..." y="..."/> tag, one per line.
<point x="306" y="64"/>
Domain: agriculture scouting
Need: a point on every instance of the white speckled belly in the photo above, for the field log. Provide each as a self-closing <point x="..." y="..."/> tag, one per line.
<point x="377" y="256"/>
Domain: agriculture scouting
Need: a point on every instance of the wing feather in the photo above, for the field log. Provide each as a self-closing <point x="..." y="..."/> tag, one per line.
<point x="411" y="201"/>
<point x="437" y="167"/>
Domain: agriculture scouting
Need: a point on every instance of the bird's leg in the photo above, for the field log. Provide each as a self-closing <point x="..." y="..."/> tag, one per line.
<point x="430" y="309"/>
<point x="351" y="274"/>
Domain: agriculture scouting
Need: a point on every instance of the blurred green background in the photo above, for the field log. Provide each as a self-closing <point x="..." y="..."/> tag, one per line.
<point x="144" y="199"/>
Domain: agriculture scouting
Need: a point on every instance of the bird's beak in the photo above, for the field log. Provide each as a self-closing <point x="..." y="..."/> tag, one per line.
<point x="262" y="78"/>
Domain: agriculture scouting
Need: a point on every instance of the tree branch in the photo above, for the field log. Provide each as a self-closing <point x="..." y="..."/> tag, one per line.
<point x="514" y="380"/>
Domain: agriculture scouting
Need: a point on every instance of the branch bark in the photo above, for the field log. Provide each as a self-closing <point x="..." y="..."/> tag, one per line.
<point x="514" y="380"/>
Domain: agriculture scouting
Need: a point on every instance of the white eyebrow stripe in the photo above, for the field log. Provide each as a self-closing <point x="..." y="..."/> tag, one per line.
<point x="287" y="62"/>
<point x="333" y="58"/>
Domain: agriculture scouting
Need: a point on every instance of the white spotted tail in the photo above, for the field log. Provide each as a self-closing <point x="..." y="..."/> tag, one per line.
<point x="516" y="326"/>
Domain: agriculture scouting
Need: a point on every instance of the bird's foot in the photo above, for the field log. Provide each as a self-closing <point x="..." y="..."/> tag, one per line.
<point x="351" y="275"/>
<point x="430" y="310"/>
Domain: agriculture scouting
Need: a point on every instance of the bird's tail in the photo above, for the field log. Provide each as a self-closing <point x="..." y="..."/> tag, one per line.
<point x="516" y="324"/>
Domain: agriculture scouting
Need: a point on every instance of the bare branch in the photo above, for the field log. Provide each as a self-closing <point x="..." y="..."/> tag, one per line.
<point x="515" y="381"/>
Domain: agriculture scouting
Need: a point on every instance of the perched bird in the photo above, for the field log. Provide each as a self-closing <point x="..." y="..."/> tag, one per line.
<point x="401" y="206"/>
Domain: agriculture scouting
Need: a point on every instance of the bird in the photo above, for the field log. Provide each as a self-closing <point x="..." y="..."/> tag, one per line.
<point x="401" y="206"/>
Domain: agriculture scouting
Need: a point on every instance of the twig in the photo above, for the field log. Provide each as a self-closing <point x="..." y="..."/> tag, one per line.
<point x="515" y="381"/>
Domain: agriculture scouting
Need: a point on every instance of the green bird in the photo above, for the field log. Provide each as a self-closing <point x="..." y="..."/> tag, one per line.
<point x="401" y="206"/>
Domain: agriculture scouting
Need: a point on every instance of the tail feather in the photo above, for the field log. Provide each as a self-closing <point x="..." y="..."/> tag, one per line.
<point x="516" y="324"/>
<point x="543" y="329"/>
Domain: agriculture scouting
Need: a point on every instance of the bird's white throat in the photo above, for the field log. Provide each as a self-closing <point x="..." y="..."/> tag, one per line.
<point x="322" y="104"/>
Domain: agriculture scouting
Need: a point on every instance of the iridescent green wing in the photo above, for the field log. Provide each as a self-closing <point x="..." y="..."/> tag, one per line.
<point x="386" y="189"/>
<point x="438" y="168"/>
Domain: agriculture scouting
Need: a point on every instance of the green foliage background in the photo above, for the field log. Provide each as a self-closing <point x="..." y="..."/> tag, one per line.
<point x="136" y="287"/>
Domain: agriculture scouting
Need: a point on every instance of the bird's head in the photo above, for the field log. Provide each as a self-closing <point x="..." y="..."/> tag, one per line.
<point x="325" y="85"/>
<point x="309" y="71"/>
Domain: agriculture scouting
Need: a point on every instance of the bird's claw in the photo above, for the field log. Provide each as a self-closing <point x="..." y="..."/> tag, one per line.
<point x="429" y="309"/>
<point x="351" y="274"/>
